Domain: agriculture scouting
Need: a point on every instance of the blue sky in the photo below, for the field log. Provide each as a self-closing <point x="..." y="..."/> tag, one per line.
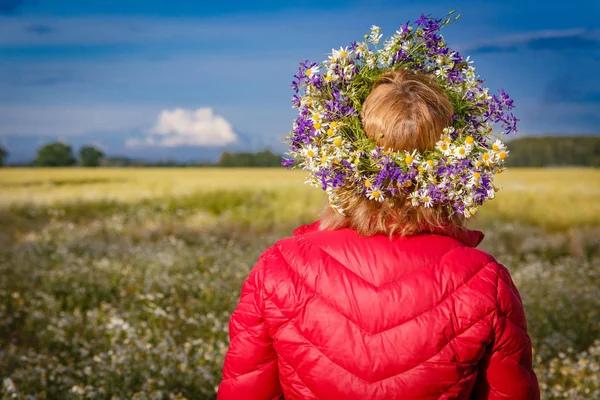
<point x="130" y="75"/>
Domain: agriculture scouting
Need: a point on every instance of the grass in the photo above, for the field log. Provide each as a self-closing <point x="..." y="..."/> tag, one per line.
<point x="119" y="283"/>
<point x="551" y="198"/>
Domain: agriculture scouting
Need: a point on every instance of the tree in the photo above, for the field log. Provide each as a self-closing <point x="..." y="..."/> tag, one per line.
<point x="55" y="154"/>
<point x="554" y="151"/>
<point x="265" y="158"/>
<point x="90" y="156"/>
<point x="3" y="155"/>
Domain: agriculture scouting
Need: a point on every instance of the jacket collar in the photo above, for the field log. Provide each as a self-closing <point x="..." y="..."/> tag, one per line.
<point x="306" y="229"/>
<point x="470" y="238"/>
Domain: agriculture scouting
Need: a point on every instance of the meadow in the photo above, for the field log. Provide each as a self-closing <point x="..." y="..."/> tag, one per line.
<point x="119" y="283"/>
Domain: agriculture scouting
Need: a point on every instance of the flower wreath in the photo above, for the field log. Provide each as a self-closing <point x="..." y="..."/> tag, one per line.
<point x="329" y="141"/>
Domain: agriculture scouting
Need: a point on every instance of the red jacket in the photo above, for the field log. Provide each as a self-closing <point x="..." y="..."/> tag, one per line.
<point x="332" y="315"/>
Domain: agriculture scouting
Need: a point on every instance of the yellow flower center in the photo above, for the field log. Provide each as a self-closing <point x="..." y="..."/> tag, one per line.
<point x="425" y="199"/>
<point x="430" y="163"/>
<point x="469" y="139"/>
<point x="408" y="159"/>
<point x="337" y="142"/>
<point x="444" y="146"/>
<point x="317" y="125"/>
<point x="478" y="164"/>
<point x="310" y="153"/>
<point x="343" y="53"/>
<point x="476" y="175"/>
<point x="328" y="78"/>
<point x="447" y="140"/>
<point x="486" y="156"/>
<point x="495" y="147"/>
<point x="420" y="168"/>
<point x="367" y="184"/>
<point x="333" y="124"/>
<point x="309" y="72"/>
<point x="316" y="117"/>
<point x="461" y="151"/>
<point x="375" y="194"/>
<point x="502" y="155"/>
<point x="330" y="132"/>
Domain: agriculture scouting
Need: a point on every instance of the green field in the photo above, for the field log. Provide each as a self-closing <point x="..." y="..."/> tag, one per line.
<point x="118" y="283"/>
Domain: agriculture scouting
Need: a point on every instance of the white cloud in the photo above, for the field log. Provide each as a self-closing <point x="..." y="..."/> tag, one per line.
<point x="183" y="127"/>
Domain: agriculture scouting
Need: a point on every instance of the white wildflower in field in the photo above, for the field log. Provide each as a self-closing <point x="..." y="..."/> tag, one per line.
<point x="131" y="299"/>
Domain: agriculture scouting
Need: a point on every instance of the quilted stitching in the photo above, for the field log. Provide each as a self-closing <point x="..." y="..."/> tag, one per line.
<point x="336" y="309"/>
<point x="483" y="343"/>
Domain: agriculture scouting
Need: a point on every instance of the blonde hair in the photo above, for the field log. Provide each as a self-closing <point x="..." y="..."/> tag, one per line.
<point x="403" y="111"/>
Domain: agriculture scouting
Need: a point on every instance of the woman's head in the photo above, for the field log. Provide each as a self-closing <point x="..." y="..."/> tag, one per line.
<point x="406" y="111"/>
<point x="403" y="112"/>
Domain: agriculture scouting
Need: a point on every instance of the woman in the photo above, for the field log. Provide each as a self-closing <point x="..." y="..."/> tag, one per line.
<point x="386" y="297"/>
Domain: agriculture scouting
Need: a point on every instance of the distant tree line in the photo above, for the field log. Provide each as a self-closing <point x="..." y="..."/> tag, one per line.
<point x="59" y="154"/>
<point x="555" y="151"/>
<point x="3" y="156"/>
<point x="524" y="152"/>
<point x="265" y="158"/>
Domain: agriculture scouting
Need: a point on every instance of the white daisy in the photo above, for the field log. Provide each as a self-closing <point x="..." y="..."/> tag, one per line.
<point x="415" y="198"/>
<point x="426" y="199"/>
<point x="312" y="71"/>
<point x="310" y="152"/>
<point x="371" y="62"/>
<point x="444" y="147"/>
<point x="475" y="179"/>
<point x="360" y="49"/>
<point x="498" y="146"/>
<point x="374" y="193"/>
<point x="341" y="54"/>
<point x="428" y="165"/>
<point x="469" y="212"/>
<point x="411" y="158"/>
<point x="461" y="152"/>
<point x="441" y="72"/>
<point x="468" y="200"/>
<point x="337" y="141"/>
<point x="502" y="155"/>
<point x="488" y="159"/>
<point x="375" y="35"/>
<point x="316" y="116"/>
<point x="348" y="72"/>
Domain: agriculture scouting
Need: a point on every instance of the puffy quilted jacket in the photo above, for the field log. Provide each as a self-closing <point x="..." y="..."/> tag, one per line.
<point x="332" y="315"/>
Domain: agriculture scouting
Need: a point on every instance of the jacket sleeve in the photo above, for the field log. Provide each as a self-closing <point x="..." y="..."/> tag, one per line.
<point x="506" y="371"/>
<point x="250" y="370"/>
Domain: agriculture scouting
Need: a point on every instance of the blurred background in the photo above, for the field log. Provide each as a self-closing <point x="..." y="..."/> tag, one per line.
<point x="141" y="145"/>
